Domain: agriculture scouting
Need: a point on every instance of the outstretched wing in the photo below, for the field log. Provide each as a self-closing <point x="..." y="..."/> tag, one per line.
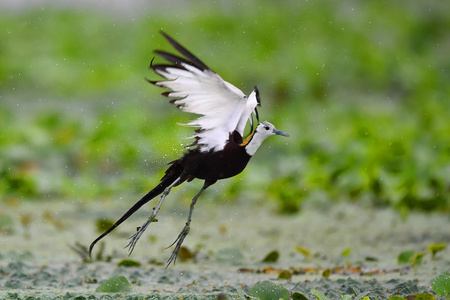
<point x="222" y="107"/>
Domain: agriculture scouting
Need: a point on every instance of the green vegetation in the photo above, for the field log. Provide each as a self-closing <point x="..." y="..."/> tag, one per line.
<point x="129" y="263"/>
<point x="267" y="290"/>
<point x="441" y="285"/>
<point x="362" y="88"/>
<point x="435" y="248"/>
<point x="118" y="284"/>
<point x="271" y="257"/>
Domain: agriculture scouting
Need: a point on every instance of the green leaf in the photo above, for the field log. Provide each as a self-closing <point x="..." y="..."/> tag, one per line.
<point x="319" y="295"/>
<point x="435" y="248"/>
<point x="271" y="257"/>
<point x="298" y="296"/>
<point x="285" y="274"/>
<point x="417" y="258"/>
<point x="346" y="252"/>
<point x="396" y="298"/>
<point x="118" y="284"/>
<point x="266" y="290"/>
<point x="184" y="254"/>
<point x="441" y="285"/>
<point x="326" y="273"/>
<point x="424" y="296"/>
<point x="346" y="297"/>
<point x="406" y="257"/>
<point x="103" y="224"/>
<point x="303" y="251"/>
<point x="129" y="263"/>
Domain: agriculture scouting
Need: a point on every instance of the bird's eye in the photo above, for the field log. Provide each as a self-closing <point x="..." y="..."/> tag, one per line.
<point x="266" y="127"/>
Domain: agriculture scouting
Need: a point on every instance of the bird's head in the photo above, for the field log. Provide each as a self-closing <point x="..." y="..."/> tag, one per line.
<point x="262" y="131"/>
<point x="267" y="129"/>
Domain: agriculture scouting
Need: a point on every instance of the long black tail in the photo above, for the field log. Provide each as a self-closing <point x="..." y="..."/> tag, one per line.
<point x="172" y="174"/>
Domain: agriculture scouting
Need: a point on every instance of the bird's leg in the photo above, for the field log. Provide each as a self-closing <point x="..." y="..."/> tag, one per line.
<point x="185" y="231"/>
<point x="135" y="237"/>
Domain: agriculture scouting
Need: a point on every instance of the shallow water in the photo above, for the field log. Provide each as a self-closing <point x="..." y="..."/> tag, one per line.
<point x="230" y="242"/>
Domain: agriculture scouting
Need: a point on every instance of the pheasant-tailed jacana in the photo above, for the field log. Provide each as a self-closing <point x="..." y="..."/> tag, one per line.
<point x="218" y="150"/>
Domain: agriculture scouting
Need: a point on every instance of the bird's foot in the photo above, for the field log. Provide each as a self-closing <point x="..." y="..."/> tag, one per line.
<point x="178" y="241"/>
<point x="135" y="237"/>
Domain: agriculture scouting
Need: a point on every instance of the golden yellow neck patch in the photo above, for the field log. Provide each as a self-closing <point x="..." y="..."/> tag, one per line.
<point x="247" y="140"/>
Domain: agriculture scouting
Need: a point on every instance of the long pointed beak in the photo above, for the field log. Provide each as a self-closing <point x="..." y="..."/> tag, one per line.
<point x="279" y="132"/>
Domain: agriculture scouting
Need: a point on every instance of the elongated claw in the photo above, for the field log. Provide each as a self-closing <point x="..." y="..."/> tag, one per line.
<point x="179" y="242"/>
<point x="185" y="231"/>
<point x="135" y="237"/>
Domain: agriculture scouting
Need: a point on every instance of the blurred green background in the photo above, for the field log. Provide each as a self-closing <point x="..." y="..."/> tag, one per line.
<point x="362" y="87"/>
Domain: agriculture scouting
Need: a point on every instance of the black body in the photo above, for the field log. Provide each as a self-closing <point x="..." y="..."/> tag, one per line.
<point x="209" y="166"/>
<point x="212" y="166"/>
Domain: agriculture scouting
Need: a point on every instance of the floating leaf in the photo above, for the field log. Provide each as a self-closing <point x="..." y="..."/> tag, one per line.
<point x="319" y="295"/>
<point x="266" y="290"/>
<point x="346" y="297"/>
<point x="435" y="248"/>
<point x="103" y="224"/>
<point x="346" y="252"/>
<point x="326" y="273"/>
<point x="298" y="296"/>
<point x="271" y="257"/>
<point x="118" y="284"/>
<point x="405" y="257"/>
<point x="424" y="296"/>
<point x="285" y="274"/>
<point x="371" y="258"/>
<point x="417" y="258"/>
<point x="129" y="263"/>
<point x="396" y="298"/>
<point x="303" y="251"/>
<point x="185" y="254"/>
<point x="441" y="285"/>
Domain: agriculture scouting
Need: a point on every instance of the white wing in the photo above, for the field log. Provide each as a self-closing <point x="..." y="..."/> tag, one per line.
<point x="197" y="89"/>
<point x="250" y="106"/>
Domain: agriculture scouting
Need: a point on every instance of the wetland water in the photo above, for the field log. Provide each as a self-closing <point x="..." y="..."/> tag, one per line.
<point x="359" y="245"/>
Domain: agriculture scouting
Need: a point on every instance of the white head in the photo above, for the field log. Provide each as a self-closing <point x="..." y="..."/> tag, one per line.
<point x="262" y="131"/>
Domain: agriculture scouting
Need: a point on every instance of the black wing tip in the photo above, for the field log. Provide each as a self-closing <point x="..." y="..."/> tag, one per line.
<point x="191" y="58"/>
<point x="163" y="33"/>
<point x="151" y="63"/>
<point x="258" y="97"/>
<point x="258" y="100"/>
<point x="177" y="61"/>
<point x="167" y="37"/>
<point x="154" y="82"/>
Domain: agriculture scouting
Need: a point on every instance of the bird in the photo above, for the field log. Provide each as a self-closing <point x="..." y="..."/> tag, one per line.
<point x="218" y="150"/>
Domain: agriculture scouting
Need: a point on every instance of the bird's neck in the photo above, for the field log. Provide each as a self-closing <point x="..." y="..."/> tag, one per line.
<point x="252" y="143"/>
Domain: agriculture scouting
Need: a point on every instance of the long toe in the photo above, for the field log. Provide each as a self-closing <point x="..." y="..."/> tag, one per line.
<point x="178" y="242"/>
<point x="136" y="236"/>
